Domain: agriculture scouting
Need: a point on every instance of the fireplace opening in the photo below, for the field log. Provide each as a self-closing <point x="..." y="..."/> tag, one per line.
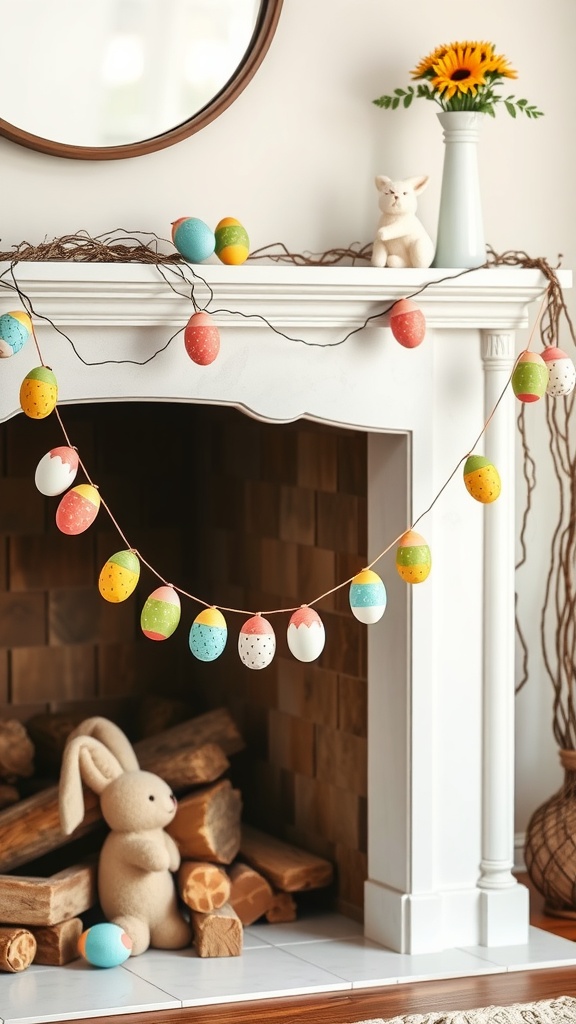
<point x="243" y="514"/>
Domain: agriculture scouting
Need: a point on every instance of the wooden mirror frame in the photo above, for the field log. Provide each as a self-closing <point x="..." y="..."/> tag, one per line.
<point x="255" y="53"/>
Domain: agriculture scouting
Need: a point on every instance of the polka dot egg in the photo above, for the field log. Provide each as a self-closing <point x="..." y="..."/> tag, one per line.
<point x="482" y="479"/>
<point x="561" y="372"/>
<point x="105" y="945"/>
<point x="256" y="643"/>
<point x="38" y="393"/>
<point x="202" y="339"/>
<point x="306" y="636"/>
<point x="208" y="635"/>
<point x="77" y="509"/>
<point x="407" y="323"/>
<point x="119" y="576"/>
<point x="15" y="329"/>
<point x="56" y="471"/>
<point x="413" y="560"/>
<point x="367" y="597"/>
<point x="530" y="377"/>
<point x="232" y="242"/>
<point x="160" y="614"/>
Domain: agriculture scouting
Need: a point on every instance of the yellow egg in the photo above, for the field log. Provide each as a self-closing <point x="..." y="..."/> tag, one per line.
<point x="39" y="393"/>
<point x="482" y="479"/>
<point x="119" y="576"/>
<point x="232" y="243"/>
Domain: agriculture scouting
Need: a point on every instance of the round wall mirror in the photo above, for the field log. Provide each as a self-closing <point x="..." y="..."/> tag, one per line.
<point x="120" y="78"/>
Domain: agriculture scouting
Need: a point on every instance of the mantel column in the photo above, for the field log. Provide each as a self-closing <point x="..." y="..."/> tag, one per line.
<point x="504" y="910"/>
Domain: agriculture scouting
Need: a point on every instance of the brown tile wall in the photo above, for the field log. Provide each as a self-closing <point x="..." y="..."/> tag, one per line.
<point x="248" y="516"/>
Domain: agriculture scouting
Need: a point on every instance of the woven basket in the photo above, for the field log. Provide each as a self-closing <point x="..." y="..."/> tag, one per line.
<point x="550" y="849"/>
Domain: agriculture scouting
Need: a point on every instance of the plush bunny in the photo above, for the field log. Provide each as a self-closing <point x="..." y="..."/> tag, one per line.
<point x="136" y="888"/>
<point x="401" y="240"/>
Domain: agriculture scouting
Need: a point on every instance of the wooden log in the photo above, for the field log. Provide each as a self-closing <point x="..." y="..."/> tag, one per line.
<point x="218" y="933"/>
<point x="17" y="949"/>
<point x="251" y="895"/>
<point x="16" y="751"/>
<point x="31" y="828"/>
<point x="8" y="795"/>
<point x="283" y="909"/>
<point x="287" y="867"/>
<point x="191" y="767"/>
<point x="203" y="886"/>
<point x="47" y="901"/>
<point x="207" y="824"/>
<point x="57" y="944"/>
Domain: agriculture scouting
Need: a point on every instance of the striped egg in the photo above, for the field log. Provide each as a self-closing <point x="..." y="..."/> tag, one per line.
<point x="77" y="509"/>
<point x="208" y="635"/>
<point x="413" y="560"/>
<point x="256" y="643"/>
<point x="193" y="239"/>
<point x="105" y="945"/>
<point x="160" y="614"/>
<point x="15" y="329"/>
<point x="56" y="471"/>
<point x="561" y="372"/>
<point x="530" y="377"/>
<point x="407" y="323"/>
<point x="119" y="576"/>
<point x="202" y="338"/>
<point x="482" y="479"/>
<point x="306" y="636"/>
<point x="38" y="393"/>
<point x="232" y="242"/>
<point x="367" y="596"/>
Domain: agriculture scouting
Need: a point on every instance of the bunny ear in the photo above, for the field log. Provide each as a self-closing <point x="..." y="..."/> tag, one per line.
<point x="112" y="737"/>
<point x="87" y="760"/>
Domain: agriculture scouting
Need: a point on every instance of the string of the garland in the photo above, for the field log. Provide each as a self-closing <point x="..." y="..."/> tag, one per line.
<point x="127" y="246"/>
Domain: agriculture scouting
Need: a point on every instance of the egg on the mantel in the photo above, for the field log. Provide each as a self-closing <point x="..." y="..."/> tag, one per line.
<point x="306" y="635"/>
<point x="77" y="509"/>
<point x="256" y="642"/>
<point x="56" y="470"/>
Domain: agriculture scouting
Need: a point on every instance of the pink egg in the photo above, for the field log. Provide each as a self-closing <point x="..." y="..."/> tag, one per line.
<point x="202" y="339"/>
<point x="256" y="643"/>
<point x="306" y="636"/>
<point x="56" y="471"/>
<point x="78" y="509"/>
<point x="407" y="323"/>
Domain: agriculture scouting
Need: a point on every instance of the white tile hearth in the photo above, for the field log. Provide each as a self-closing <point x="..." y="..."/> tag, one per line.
<point x="319" y="953"/>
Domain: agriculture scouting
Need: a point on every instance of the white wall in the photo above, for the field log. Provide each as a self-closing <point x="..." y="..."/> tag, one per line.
<point x="294" y="159"/>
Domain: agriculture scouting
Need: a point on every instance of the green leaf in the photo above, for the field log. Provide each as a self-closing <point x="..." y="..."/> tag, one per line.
<point x="510" y="108"/>
<point x="521" y="103"/>
<point x="399" y="92"/>
<point x="395" y="102"/>
<point x="408" y="99"/>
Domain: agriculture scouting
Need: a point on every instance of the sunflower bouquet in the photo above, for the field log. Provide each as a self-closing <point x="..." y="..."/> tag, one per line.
<point x="461" y="76"/>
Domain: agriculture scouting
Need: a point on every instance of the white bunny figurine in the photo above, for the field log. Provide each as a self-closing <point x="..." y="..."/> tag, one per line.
<point x="136" y="887"/>
<point x="401" y="240"/>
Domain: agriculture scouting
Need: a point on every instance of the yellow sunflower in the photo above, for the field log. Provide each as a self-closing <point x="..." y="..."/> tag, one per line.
<point x="460" y="71"/>
<point x="426" y="66"/>
<point x="499" y="66"/>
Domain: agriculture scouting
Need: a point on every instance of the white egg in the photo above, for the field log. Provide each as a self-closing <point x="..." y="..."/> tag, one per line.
<point x="306" y="636"/>
<point x="256" y="643"/>
<point x="56" y="471"/>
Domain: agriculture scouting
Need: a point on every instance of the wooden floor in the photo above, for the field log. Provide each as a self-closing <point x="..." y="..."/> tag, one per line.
<point x="389" y="1001"/>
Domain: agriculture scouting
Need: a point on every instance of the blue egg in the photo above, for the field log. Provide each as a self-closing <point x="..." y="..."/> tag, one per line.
<point x="194" y="240"/>
<point x="367" y="597"/>
<point x="105" y="945"/>
<point x="208" y="635"/>
<point x="14" y="332"/>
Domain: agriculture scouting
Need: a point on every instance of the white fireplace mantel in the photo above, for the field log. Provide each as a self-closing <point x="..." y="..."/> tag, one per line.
<point x="441" y="661"/>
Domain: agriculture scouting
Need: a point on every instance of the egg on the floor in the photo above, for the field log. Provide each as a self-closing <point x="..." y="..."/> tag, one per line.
<point x="367" y="596"/>
<point x="413" y="560"/>
<point x="306" y="636"/>
<point x="105" y="945"/>
<point x="208" y="634"/>
<point x="77" y="509"/>
<point x="119" y="576"/>
<point x="15" y="329"/>
<point x="56" y="470"/>
<point x="161" y="613"/>
<point x="256" y="642"/>
<point x="561" y="372"/>
<point x="38" y="393"/>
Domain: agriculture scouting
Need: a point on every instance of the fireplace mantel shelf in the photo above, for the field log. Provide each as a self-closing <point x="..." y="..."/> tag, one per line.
<point x="115" y="323"/>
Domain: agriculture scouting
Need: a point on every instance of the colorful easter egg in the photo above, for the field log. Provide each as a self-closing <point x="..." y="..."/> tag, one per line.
<point x="530" y="377"/>
<point x="160" y="614"/>
<point x="232" y="243"/>
<point x="119" y="576"/>
<point x="56" y="471"/>
<point x="413" y="560"/>
<point x="208" y="635"/>
<point x="407" y="323"/>
<point x="306" y="636"/>
<point x="561" y="372"/>
<point x="256" y="643"/>
<point x="15" y="329"/>
<point x="77" y="509"/>
<point x="38" y="393"/>
<point x="193" y="238"/>
<point x="367" y="596"/>
<point x="202" y="338"/>
<point x="105" y="945"/>
<point x="482" y="479"/>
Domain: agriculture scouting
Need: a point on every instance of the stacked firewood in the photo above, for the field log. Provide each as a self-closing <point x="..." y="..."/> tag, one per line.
<point x="231" y="874"/>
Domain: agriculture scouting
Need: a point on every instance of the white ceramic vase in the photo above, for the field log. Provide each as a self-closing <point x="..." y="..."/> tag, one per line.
<point x="460" y="237"/>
